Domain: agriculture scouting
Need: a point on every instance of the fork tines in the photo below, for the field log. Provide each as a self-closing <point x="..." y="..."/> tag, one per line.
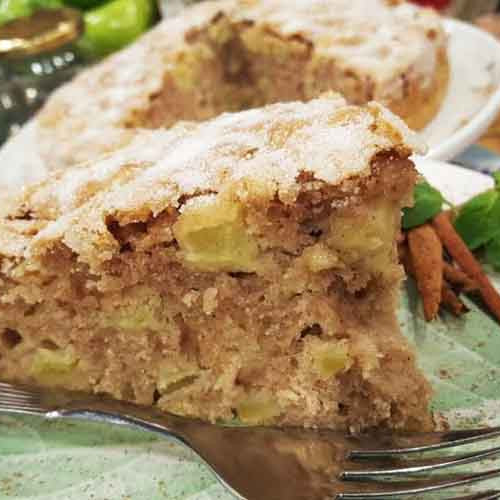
<point x="19" y="399"/>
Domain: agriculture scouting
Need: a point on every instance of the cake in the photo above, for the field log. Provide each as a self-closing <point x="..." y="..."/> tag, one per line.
<point x="231" y="55"/>
<point x="240" y="269"/>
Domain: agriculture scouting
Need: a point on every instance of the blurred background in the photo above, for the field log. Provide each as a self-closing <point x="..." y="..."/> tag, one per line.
<point x="43" y="43"/>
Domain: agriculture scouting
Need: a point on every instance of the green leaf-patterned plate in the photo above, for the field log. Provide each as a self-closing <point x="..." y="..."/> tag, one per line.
<point x="89" y="461"/>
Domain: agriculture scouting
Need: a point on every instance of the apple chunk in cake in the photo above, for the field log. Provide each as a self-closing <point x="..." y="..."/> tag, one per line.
<point x="242" y="268"/>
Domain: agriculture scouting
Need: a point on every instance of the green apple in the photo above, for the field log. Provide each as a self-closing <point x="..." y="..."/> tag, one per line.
<point x="111" y="26"/>
<point x="12" y="9"/>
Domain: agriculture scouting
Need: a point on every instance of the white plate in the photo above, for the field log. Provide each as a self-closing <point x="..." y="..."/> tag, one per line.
<point x="472" y="103"/>
<point x="473" y="98"/>
<point x="457" y="183"/>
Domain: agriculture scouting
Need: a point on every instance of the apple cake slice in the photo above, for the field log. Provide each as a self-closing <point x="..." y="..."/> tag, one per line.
<point x="241" y="268"/>
<point x="230" y="55"/>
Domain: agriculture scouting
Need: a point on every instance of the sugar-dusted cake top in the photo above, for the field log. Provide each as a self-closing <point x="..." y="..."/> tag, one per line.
<point x="380" y="44"/>
<point x="254" y="156"/>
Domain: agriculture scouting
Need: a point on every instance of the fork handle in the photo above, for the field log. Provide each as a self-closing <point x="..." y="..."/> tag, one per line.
<point x="102" y="409"/>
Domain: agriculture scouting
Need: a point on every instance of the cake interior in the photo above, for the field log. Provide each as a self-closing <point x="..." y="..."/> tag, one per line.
<point x="232" y="66"/>
<point x="269" y="313"/>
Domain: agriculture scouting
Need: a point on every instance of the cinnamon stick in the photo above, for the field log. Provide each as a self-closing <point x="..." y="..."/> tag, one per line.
<point x="426" y="253"/>
<point x="457" y="277"/>
<point x="467" y="262"/>
<point x="451" y="301"/>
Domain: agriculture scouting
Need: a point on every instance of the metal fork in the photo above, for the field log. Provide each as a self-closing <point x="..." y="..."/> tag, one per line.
<point x="266" y="463"/>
